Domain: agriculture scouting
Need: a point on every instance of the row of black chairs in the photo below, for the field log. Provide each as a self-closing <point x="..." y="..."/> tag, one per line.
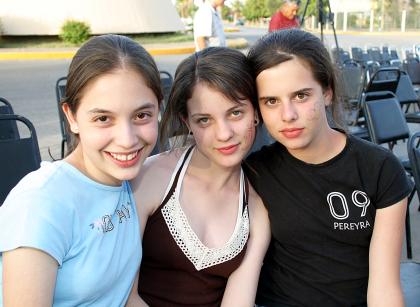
<point x="20" y="154"/>
<point x="386" y="124"/>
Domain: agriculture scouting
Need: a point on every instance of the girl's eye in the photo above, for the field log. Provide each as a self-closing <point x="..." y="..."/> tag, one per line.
<point x="271" y="101"/>
<point x="236" y="113"/>
<point x="301" y="96"/>
<point x="203" y="120"/>
<point x="102" y="119"/>
<point x="143" y="116"/>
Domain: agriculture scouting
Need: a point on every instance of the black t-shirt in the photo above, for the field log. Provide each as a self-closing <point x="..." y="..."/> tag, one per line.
<point x="322" y="218"/>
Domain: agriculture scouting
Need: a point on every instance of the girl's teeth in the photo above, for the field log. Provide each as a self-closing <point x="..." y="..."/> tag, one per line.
<point x="124" y="157"/>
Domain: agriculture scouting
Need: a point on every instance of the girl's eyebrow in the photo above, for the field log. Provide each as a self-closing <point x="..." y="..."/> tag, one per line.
<point x="146" y="106"/>
<point x="237" y="105"/>
<point x="305" y="89"/>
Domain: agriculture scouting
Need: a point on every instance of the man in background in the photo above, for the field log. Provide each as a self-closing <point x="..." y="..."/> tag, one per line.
<point x="285" y="18"/>
<point x="208" y="26"/>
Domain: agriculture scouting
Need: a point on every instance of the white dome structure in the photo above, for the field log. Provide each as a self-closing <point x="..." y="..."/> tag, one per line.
<point x="45" y="17"/>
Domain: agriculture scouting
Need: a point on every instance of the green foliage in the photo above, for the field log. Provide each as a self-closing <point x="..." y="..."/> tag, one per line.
<point x="185" y="8"/>
<point x="237" y="7"/>
<point x="227" y="13"/>
<point x="273" y="5"/>
<point x="255" y="9"/>
<point x="75" y="32"/>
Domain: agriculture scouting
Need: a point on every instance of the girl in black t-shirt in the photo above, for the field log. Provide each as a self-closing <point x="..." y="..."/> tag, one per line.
<point x="336" y="203"/>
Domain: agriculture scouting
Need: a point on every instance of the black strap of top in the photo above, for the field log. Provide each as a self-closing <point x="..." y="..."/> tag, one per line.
<point x="178" y="173"/>
<point x="175" y="182"/>
<point x="246" y="195"/>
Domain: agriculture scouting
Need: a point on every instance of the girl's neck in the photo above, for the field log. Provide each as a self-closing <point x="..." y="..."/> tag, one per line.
<point x="326" y="146"/>
<point x="212" y="174"/>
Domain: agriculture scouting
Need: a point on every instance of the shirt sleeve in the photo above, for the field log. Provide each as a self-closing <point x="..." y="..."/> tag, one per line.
<point x="203" y="23"/>
<point x="32" y="219"/>
<point x="393" y="183"/>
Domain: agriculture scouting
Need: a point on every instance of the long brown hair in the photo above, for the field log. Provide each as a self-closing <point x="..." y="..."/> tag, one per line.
<point x="223" y="69"/>
<point x="281" y="46"/>
<point x="101" y="55"/>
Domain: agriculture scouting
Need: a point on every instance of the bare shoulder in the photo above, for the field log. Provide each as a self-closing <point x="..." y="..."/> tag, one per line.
<point x="155" y="174"/>
<point x="155" y="167"/>
<point x="258" y="213"/>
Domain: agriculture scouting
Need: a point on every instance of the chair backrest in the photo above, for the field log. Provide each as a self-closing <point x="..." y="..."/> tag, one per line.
<point x="384" y="79"/>
<point x="18" y="156"/>
<point x="375" y="54"/>
<point x="8" y="129"/>
<point x="384" y="118"/>
<point x="352" y="74"/>
<point x="405" y="91"/>
<point x="166" y="81"/>
<point x="60" y="91"/>
<point x="394" y="54"/>
<point x="412" y="67"/>
<point x="413" y="150"/>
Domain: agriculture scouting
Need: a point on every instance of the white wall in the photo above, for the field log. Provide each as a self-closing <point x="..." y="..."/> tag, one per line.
<point x="45" y="17"/>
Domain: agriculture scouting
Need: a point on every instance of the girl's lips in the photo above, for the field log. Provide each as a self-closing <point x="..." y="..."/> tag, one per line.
<point x="292" y="132"/>
<point x="228" y="150"/>
<point x="125" y="160"/>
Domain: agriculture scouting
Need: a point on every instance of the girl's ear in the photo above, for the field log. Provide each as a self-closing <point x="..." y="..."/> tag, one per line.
<point x="328" y="94"/>
<point x="70" y="118"/>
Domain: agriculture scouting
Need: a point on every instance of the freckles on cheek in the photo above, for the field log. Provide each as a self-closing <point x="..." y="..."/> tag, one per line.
<point x="313" y="113"/>
<point x="250" y="133"/>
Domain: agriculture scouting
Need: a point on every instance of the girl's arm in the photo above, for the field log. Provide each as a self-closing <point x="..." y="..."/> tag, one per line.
<point x="28" y="278"/>
<point x="134" y="300"/>
<point x="384" y="287"/>
<point x="242" y="284"/>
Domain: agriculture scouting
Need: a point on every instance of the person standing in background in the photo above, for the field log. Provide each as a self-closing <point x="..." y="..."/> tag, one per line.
<point x="208" y="25"/>
<point x="285" y="18"/>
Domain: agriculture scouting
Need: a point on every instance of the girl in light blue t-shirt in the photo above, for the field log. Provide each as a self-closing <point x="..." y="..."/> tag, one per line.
<point x="70" y="231"/>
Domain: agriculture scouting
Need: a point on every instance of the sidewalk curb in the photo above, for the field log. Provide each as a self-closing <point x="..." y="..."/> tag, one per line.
<point x="26" y="54"/>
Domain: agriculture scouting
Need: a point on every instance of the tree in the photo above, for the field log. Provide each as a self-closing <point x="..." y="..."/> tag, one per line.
<point x="237" y="7"/>
<point x="227" y="13"/>
<point x="273" y="5"/>
<point x="185" y="8"/>
<point x="255" y="9"/>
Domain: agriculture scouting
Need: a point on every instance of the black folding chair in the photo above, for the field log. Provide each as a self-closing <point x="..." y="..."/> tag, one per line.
<point x="386" y="124"/>
<point x="8" y="129"/>
<point x="414" y="156"/>
<point x="412" y="67"/>
<point x="384" y="79"/>
<point x="60" y="92"/>
<point x="18" y="156"/>
<point x="166" y="81"/>
<point x="352" y="80"/>
<point x="384" y="118"/>
<point x="406" y="94"/>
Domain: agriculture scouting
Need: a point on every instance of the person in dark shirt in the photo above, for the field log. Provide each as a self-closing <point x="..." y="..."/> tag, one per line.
<point x="336" y="203"/>
<point x="285" y="17"/>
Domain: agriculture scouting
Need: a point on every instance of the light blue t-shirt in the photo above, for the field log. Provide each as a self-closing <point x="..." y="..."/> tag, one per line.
<point x="91" y="229"/>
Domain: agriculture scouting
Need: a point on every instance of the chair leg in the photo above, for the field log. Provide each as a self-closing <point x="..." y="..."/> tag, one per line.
<point x="63" y="142"/>
<point x="408" y="225"/>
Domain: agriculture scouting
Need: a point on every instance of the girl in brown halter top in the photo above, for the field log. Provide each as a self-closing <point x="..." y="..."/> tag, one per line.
<point x="204" y="229"/>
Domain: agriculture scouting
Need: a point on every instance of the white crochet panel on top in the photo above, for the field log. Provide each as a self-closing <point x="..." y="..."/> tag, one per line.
<point x="200" y="255"/>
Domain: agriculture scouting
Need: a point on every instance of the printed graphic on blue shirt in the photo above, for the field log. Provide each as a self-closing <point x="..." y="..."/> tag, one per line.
<point x="105" y="223"/>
